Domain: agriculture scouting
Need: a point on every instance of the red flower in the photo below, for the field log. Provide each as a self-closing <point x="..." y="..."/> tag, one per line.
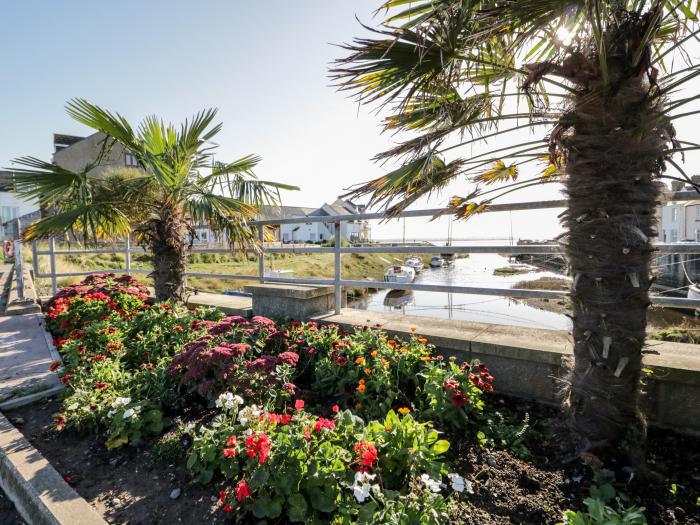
<point x="458" y="398"/>
<point x="258" y="445"/>
<point x="324" y="423"/>
<point x="101" y="386"/>
<point x="98" y="357"/>
<point x="299" y="404"/>
<point x="307" y="434"/>
<point x="227" y="508"/>
<point x="54" y="365"/>
<point x="222" y="496"/>
<point x="242" y="491"/>
<point x="231" y="441"/>
<point x="335" y="409"/>
<point x="178" y="328"/>
<point x="367" y="452"/>
<point x="64" y="324"/>
<point x="285" y="419"/>
<point x="66" y="378"/>
<point x="68" y="479"/>
<point x="230" y="452"/>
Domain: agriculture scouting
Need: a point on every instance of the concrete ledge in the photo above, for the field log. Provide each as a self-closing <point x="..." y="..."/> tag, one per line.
<point x="40" y="494"/>
<point x="291" y="301"/>
<point x="229" y="304"/>
<point x="530" y="363"/>
<point x="292" y="291"/>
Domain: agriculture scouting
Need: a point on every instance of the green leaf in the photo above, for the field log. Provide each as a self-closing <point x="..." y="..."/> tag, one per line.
<point x="297" y="508"/>
<point x="259" y="478"/>
<point x="440" y="447"/>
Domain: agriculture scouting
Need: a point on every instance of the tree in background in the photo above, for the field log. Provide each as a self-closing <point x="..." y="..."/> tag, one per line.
<point x="598" y="78"/>
<point x="177" y="186"/>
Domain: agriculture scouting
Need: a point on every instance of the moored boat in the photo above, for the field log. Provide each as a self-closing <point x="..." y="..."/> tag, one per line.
<point x="436" y="262"/>
<point x="399" y="274"/>
<point x="414" y="262"/>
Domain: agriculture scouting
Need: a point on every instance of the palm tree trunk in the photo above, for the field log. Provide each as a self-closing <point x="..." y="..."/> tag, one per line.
<point x="167" y="241"/>
<point x="612" y="162"/>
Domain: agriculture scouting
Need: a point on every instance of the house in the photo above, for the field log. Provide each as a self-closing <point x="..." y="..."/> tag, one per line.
<point x="318" y="232"/>
<point x="680" y="221"/>
<point x="76" y="153"/>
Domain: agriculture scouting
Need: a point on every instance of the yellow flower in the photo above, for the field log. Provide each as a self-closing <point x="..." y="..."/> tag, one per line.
<point x="374" y="353"/>
<point x="404" y="349"/>
<point x="360" y="360"/>
<point x="413" y="329"/>
<point x="404" y="410"/>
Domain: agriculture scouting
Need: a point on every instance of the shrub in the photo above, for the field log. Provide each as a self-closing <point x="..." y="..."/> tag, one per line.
<point x="249" y="358"/>
<point x="310" y="468"/>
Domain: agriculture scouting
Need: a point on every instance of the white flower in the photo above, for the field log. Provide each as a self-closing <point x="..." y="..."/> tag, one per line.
<point x="129" y="412"/>
<point x="459" y="484"/>
<point x="361" y="486"/>
<point x="429" y="482"/>
<point x="121" y="401"/>
<point x="249" y="414"/>
<point x="228" y="401"/>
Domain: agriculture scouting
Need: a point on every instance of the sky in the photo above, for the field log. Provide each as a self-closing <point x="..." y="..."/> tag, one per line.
<point x="264" y="65"/>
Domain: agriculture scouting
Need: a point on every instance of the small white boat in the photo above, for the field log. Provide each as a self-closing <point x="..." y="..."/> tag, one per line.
<point x="436" y="262"/>
<point x="694" y="293"/>
<point x="399" y="274"/>
<point x="414" y="262"/>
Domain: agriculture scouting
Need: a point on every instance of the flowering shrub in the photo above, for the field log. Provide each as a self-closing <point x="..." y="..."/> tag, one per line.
<point x="241" y="356"/>
<point x="372" y="373"/>
<point x="130" y="367"/>
<point x="309" y="467"/>
<point x="93" y="299"/>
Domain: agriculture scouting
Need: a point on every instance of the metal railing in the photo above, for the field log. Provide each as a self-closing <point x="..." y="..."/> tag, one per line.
<point x="338" y="250"/>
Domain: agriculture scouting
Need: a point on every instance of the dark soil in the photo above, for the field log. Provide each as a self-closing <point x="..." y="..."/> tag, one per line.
<point x="131" y="486"/>
<point x="8" y="513"/>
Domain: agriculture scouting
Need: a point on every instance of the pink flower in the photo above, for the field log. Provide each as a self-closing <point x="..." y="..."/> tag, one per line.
<point x="335" y="409"/>
<point x="299" y="404"/>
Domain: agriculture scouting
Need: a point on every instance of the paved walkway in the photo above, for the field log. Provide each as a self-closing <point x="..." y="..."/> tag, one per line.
<point x="25" y="356"/>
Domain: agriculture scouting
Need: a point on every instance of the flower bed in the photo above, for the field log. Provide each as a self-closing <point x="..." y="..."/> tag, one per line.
<point x="294" y="422"/>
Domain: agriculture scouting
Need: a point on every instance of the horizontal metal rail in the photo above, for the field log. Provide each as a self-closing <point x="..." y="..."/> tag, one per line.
<point x="337" y="282"/>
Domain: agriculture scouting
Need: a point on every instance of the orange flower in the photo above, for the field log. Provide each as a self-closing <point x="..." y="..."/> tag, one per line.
<point x="358" y="406"/>
<point x="422" y="340"/>
<point x="361" y="388"/>
<point x="440" y="357"/>
<point x="362" y="381"/>
<point x="404" y="410"/>
<point x="413" y="329"/>
<point x="426" y="358"/>
<point x="388" y="428"/>
<point x="374" y="353"/>
<point x="368" y="371"/>
<point x="385" y="362"/>
<point x="360" y="360"/>
<point x="391" y="342"/>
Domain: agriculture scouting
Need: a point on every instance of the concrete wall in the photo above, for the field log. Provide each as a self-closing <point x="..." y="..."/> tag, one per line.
<point x="82" y="153"/>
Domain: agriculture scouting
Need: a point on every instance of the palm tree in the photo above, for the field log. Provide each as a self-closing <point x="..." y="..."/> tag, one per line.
<point x="177" y="186"/>
<point x="596" y="76"/>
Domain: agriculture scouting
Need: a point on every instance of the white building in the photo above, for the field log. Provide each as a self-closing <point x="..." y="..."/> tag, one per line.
<point x="12" y="207"/>
<point x="318" y="232"/>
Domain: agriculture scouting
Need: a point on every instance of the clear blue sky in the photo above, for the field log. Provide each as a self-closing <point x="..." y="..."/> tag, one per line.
<point x="263" y="64"/>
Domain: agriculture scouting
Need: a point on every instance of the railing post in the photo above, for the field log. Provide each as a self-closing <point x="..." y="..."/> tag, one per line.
<point x="35" y="260"/>
<point x="19" y="269"/>
<point x="52" y="262"/>
<point x="261" y="255"/>
<point x="127" y="255"/>
<point x="336" y="277"/>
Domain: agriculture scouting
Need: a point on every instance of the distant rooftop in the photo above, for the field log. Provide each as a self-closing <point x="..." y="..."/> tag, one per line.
<point x="61" y="141"/>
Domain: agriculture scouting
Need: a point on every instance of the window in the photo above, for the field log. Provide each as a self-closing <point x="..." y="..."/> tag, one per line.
<point x="674" y="214"/>
<point x="285" y="237"/>
<point x="130" y="160"/>
<point x="9" y="213"/>
<point x="312" y="236"/>
<point x="664" y="235"/>
<point x="674" y="235"/>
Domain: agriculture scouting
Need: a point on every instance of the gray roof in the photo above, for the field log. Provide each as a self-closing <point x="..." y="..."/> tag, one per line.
<point x="283" y="212"/>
